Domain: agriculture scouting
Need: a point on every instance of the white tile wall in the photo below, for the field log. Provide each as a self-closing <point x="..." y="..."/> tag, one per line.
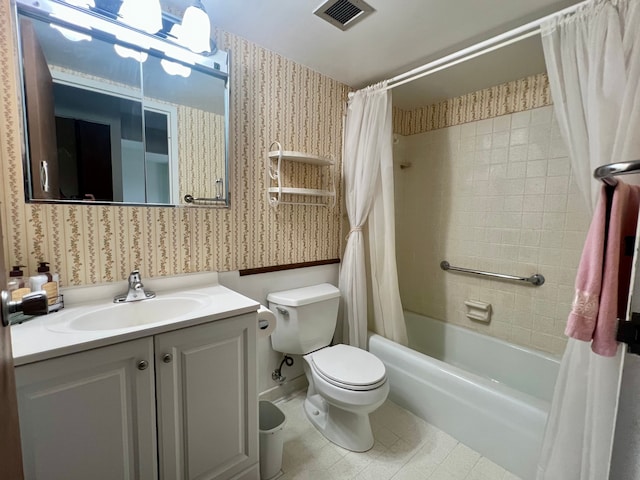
<point x="495" y="195"/>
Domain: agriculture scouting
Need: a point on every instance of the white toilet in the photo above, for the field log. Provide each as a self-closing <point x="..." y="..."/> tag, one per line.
<point x="345" y="382"/>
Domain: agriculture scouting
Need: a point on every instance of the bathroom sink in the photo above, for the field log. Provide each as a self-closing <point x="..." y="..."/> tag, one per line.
<point x="116" y="316"/>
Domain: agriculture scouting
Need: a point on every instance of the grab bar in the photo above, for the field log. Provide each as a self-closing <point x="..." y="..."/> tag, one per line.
<point x="536" y="279"/>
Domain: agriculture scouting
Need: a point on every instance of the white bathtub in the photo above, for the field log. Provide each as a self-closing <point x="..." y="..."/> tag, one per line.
<point x="489" y="394"/>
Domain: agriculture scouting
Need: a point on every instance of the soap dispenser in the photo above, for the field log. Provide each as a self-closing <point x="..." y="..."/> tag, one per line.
<point x="17" y="285"/>
<point x="49" y="282"/>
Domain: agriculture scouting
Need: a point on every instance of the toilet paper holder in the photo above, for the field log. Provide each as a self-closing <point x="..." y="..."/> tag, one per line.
<point x="266" y="321"/>
<point x="263" y="324"/>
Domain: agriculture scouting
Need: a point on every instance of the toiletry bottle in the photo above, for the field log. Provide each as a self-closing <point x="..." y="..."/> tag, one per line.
<point x="48" y="282"/>
<point x="17" y="285"/>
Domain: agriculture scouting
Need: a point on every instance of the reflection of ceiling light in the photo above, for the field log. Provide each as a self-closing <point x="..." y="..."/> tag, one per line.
<point x="71" y="16"/>
<point x="132" y="38"/>
<point x="173" y="68"/>
<point x="145" y="15"/>
<point x="70" y="34"/>
<point x="69" y="13"/>
<point x="196" y="30"/>
<point x="125" y="52"/>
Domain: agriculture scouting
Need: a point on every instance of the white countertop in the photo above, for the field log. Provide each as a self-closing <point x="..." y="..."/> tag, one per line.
<point x="38" y="339"/>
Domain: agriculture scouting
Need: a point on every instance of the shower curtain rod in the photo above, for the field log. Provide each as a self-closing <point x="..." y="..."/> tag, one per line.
<point x="494" y="43"/>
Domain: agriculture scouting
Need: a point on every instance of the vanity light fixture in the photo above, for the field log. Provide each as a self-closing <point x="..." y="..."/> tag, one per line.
<point x="175" y="47"/>
<point x="195" y="33"/>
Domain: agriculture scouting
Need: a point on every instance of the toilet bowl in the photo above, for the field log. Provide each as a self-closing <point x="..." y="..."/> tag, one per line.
<point x="346" y="383"/>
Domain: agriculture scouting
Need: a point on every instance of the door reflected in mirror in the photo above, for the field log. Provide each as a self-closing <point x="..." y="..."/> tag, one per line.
<point x="133" y="129"/>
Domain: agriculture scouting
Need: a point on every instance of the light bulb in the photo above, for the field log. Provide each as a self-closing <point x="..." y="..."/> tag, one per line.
<point x="145" y="15"/>
<point x="196" y="30"/>
<point x="175" y="34"/>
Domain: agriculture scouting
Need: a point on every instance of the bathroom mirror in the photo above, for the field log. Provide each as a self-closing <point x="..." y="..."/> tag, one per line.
<point x="114" y="115"/>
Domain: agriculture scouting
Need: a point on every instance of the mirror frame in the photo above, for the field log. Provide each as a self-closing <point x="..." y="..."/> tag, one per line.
<point x="101" y="27"/>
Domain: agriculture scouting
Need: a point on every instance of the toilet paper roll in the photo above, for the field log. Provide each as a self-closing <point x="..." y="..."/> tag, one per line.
<point x="266" y="322"/>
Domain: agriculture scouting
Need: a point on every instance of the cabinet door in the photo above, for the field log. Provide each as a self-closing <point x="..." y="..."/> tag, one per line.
<point x="43" y="151"/>
<point x="89" y="415"/>
<point x="207" y="399"/>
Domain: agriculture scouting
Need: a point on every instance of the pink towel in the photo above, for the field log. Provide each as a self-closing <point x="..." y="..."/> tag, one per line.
<point x="602" y="283"/>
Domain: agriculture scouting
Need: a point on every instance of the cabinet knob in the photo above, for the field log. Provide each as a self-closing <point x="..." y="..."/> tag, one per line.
<point x="167" y="357"/>
<point x="143" y="364"/>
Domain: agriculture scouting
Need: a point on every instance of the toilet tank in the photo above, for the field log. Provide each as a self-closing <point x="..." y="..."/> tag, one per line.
<point x="305" y="318"/>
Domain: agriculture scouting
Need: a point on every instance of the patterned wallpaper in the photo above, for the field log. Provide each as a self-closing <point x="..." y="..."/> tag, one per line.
<point x="272" y="98"/>
<point x="197" y="169"/>
<point x="511" y="97"/>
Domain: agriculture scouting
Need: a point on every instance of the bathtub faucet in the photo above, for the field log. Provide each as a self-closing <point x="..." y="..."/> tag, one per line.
<point x="136" y="290"/>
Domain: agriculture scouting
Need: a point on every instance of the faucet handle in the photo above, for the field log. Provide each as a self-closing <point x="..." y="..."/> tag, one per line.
<point x="136" y="290"/>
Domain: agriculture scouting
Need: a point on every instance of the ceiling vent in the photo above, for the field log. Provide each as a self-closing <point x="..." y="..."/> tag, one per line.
<point x="344" y="14"/>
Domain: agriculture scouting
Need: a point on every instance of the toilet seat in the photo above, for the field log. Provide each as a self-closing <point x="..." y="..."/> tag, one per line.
<point x="348" y="367"/>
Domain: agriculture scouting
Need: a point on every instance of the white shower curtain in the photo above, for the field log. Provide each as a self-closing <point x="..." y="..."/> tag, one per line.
<point x="367" y="152"/>
<point x="593" y="62"/>
<point x="388" y="317"/>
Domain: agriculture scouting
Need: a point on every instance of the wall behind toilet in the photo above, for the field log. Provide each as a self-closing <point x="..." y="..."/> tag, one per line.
<point x="258" y="287"/>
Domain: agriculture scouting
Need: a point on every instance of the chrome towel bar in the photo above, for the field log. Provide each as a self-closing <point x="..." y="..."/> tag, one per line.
<point x="607" y="172"/>
<point x="188" y="198"/>
<point x="219" y="198"/>
<point x="536" y="279"/>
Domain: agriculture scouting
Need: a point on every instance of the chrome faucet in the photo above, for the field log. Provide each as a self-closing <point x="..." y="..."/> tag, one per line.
<point x="136" y="290"/>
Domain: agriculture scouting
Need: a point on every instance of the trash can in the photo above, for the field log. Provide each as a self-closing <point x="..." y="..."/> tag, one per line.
<point x="272" y="421"/>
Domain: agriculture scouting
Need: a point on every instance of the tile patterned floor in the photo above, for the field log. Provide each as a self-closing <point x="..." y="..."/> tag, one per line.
<point x="406" y="448"/>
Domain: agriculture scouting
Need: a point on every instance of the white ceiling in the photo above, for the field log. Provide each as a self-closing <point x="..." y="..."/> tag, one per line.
<point x="400" y="35"/>
<point x="509" y="63"/>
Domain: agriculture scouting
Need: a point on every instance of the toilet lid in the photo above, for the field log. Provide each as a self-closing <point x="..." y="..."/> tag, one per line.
<point x="349" y="367"/>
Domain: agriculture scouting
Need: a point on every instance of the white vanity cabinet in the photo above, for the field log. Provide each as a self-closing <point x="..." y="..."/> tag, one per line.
<point x="207" y="400"/>
<point x="90" y="414"/>
<point x="177" y="405"/>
